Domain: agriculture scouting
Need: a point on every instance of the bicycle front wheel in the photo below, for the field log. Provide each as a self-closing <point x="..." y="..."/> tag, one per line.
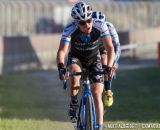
<point x="89" y="114"/>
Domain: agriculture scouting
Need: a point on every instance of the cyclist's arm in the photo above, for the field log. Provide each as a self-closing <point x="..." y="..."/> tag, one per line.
<point x="118" y="53"/>
<point x="65" y="42"/>
<point x="62" y="51"/>
<point x="115" y="40"/>
<point x="107" y="41"/>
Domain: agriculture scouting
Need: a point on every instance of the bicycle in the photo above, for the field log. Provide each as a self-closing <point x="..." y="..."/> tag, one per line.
<point x="86" y="119"/>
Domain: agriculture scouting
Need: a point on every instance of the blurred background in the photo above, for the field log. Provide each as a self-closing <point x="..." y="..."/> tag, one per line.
<point x="30" y="29"/>
<point x="30" y="32"/>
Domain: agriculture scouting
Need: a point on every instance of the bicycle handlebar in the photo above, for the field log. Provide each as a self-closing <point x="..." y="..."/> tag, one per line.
<point x="65" y="85"/>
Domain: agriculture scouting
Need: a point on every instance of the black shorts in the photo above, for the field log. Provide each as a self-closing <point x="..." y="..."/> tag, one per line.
<point x="92" y="65"/>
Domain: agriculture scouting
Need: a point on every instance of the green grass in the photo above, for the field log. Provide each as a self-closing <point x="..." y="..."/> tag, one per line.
<point x="20" y="97"/>
<point x="31" y="124"/>
<point x="136" y="97"/>
<point x="25" y="104"/>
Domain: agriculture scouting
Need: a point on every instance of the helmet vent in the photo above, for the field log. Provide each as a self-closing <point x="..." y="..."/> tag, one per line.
<point x="81" y="11"/>
<point x="78" y="11"/>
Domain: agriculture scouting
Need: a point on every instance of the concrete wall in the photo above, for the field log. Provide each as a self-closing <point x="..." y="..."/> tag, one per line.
<point x="139" y="36"/>
<point x="39" y="51"/>
<point x="145" y="35"/>
<point x="27" y="53"/>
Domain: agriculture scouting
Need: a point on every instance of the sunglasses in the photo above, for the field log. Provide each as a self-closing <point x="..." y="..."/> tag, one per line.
<point x="82" y="23"/>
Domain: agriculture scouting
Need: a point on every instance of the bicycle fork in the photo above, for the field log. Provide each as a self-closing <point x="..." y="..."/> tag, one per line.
<point x="81" y="124"/>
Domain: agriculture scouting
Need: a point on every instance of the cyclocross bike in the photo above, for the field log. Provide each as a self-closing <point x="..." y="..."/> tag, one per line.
<point x="86" y="119"/>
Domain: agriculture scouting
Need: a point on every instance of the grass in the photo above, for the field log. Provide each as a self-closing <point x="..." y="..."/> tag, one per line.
<point x="26" y="104"/>
<point x="136" y="97"/>
<point x="20" y="97"/>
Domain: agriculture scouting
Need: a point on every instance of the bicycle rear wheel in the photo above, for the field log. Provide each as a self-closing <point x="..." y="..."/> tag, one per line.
<point x="88" y="114"/>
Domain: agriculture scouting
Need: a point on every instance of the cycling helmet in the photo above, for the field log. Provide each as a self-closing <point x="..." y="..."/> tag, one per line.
<point x="81" y="11"/>
<point x="98" y="16"/>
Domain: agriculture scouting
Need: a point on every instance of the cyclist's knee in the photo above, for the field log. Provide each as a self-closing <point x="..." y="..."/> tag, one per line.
<point x="104" y="56"/>
<point x="74" y="67"/>
<point x="74" y="80"/>
<point x="97" y="95"/>
<point x="104" y="59"/>
<point x="75" y="84"/>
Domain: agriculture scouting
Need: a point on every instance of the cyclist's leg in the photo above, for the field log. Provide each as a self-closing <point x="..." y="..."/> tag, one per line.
<point x="97" y="89"/>
<point x="104" y="59"/>
<point x="103" y="54"/>
<point x="108" y="94"/>
<point x="74" y="64"/>
<point x="74" y="83"/>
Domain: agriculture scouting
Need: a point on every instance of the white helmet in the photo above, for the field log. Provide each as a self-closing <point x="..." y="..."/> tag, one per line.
<point x="98" y="16"/>
<point x="81" y="11"/>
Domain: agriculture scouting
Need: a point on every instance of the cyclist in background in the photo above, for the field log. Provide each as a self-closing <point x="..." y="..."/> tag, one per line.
<point x="115" y="40"/>
<point x="82" y="35"/>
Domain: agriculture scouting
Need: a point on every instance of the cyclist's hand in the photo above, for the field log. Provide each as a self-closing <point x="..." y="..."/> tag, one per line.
<point x="62" y="71"/>
<point x="115" y="66"/>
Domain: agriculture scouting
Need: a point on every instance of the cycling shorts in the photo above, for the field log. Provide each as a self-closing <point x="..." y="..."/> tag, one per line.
<point x="92" y="65"/>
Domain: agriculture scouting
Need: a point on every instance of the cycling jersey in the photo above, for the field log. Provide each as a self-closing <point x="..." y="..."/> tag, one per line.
<point x="84" y="46"/>
<point x="84" y="49"/>
<point x="115" y="41"/>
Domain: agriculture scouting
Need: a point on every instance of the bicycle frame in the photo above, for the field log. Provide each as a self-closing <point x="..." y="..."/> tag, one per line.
<point x="81" y="124"/>
<point x="86" y="92"/>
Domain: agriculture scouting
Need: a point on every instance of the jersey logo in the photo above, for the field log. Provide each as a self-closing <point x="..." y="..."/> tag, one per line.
<point x="85" y="38"/>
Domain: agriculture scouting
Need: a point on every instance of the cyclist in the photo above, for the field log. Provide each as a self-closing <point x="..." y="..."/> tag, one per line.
<point x="97" y="15"/>
<point x="82" y="35"/>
